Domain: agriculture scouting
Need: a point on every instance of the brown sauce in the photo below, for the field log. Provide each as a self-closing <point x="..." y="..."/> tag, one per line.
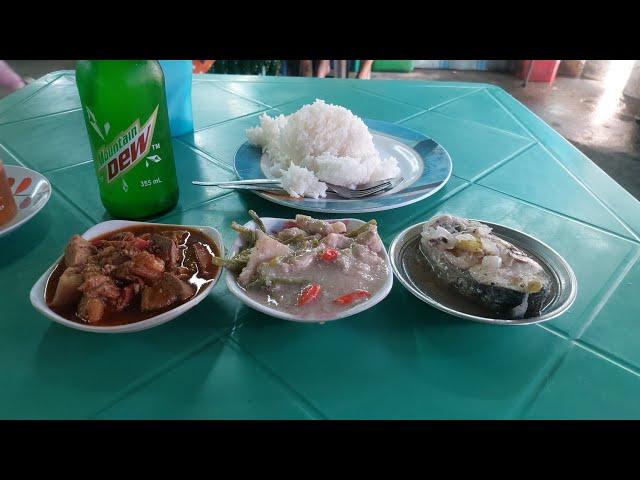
<point x="132" y="313"/>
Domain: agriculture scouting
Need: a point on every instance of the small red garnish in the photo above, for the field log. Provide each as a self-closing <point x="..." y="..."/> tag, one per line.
<point x="329" y="255"/>
<point x="349" y="298"/>
<point x="309" y="294"/>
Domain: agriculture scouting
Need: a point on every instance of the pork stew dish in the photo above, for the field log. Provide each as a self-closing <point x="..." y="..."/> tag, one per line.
<point x="131" y="274"/>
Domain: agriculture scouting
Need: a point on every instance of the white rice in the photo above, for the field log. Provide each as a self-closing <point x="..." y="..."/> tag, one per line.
<point x="320" y="143"/>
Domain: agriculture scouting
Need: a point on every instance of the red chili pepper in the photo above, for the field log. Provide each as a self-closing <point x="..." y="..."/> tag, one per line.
<point x="330" y="254"/>
<point x="98" y="243"/>
<point x="141" y="243"/>
<point x="309" y="294"/>
<point x="349" y="298"/>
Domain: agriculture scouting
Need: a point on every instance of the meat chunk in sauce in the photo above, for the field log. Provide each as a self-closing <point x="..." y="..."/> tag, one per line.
<point x="146" y="266"/>
<point x="78" y="251"/>
<point x="204" y="259"/>
<point x="166" y="248"/>
<point x="164" y="292"/>
<point x="67" y="291"/>
<point x="100" y="286"/>
<point x="91" y="309"/>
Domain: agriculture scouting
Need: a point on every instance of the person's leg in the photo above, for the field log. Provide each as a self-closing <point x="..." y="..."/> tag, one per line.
<point x="306" y="68"/>
<point x="365" y="69"/>
<point x="324" y="66"/>
<point x="9" y="78"/>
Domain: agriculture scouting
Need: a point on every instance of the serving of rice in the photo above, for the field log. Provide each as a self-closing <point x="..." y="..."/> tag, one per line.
<point x="320" y="143"/>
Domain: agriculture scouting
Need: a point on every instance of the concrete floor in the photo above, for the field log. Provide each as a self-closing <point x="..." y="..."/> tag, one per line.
<point x="591" y="114"/>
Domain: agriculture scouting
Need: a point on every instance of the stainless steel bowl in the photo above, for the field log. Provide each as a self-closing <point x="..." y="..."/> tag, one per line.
<point x="406" y="259"/>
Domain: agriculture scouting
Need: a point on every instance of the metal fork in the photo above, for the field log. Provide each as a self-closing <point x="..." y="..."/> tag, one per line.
<point x="273" y="185"/>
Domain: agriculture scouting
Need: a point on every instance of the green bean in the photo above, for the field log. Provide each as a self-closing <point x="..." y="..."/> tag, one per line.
<point x="229" y="263"/>
<point x="362" y="229"/>
<point x="243" y="256"/>
<point x="249" y="236"/>
<point x="256" y="219"/>
<point x="299" y="238"/>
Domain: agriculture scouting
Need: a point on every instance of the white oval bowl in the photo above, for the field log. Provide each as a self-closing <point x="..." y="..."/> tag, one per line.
<point x="277" y="224"/>
<point x="38" y="299"/>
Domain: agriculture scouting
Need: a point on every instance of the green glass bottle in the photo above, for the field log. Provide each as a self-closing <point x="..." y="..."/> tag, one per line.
<point x="125" y="111"/>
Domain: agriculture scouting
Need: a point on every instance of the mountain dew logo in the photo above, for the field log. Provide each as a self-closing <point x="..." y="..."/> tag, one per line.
<point x="127" y="149"/>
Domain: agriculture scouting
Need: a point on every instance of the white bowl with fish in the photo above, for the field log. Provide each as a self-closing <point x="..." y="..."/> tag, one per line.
<point x="308" y="270"/>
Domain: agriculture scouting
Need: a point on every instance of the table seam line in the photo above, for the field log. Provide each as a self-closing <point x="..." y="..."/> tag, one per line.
<point x="139" y="383"/>
<point x="432" y="207"/>
<point x="243" y="97"/>
<point x="38" y="117"/>
<point x="559" y="214"/>
<point x="209" y="157"/>
<point x="193" y="207"/>
<point x="13" y="155"/>
<point x="92" y="220"/>
<point x="66" y="167"/>
<point x="521" y="410"/>
<point x="53" y="187"/>
<point x="20" y="102"/>
<point x="600" y="352"/>
<point x="562" y="165"/>
<point x="425" y="109"/>
<point x="228" y="120"/>
<point x="306" y="404"/>
<point x="619" y="275"/>
<point x="529" y="137"/>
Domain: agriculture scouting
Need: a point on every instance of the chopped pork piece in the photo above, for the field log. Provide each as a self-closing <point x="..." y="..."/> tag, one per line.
<point x="204" y="258"/>
<point x="127" y="295"/>
<point x="175" y="235"/>
<point x="91" y="309"/>
<point x="371" y="239"/>
<point x="67" y="290"/>
<point x="99" y="285"/>
<point x="265" y="249"/>
<point x="335" y="240"/>
<point x="146" y="266"/>
<point x="126" y="236"/>
<point x="338" y="227"/>
<point x="78" y="251"/>
<point x="166" y="291"/>
<point x="165" y="248"/>
<point x="110" y="255"/>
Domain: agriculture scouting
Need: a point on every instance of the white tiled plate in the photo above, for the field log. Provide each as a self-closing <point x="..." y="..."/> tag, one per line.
<point x="38" y="290"/>
<point x="31" y="191"/>
<point x="275" y="225"/>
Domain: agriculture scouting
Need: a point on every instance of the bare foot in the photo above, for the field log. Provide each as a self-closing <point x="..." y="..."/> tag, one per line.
<point x="365" y="70"/>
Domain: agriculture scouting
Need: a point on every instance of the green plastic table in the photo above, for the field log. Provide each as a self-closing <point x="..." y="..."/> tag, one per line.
<point x="399" y="359"/>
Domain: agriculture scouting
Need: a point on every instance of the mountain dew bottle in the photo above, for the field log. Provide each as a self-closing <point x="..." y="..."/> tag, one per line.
<point x="125" y="111"/>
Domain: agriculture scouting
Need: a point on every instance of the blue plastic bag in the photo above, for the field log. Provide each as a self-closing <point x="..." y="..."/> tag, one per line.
<point x="177" y="84"/>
